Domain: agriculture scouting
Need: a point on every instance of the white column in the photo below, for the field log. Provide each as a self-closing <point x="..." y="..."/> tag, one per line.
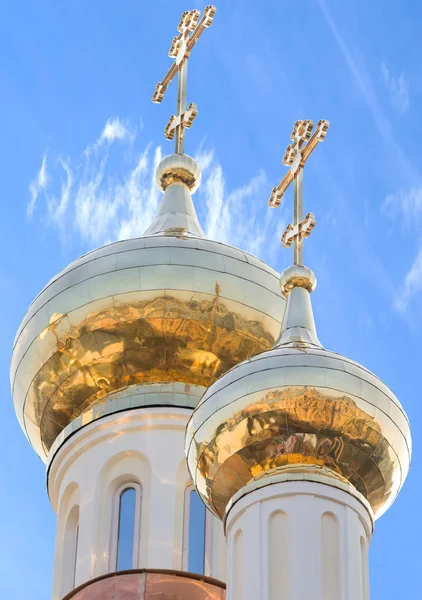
<point x="163" y="504"/>
<point x="85" y="558"/>
<point x="298" y="540"/>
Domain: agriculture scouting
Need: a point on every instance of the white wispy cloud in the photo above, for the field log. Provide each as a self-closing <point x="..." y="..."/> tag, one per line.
<point x="406" y="206"/>
<point x="412" y="284"/>
<point x="239" y="217"/>
<point x="57" y="207"/>
<point x="408" y="203"/>
<point x="114" y="129"/>
<point x="363" y="82"/>
<point x="95" y="204"/>
<point x="398" y="88"/>
<point x="37" y="185"/>
<point x="90" y="196"/>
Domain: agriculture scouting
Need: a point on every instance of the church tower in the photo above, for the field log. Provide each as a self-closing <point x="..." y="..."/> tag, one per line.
<point x="163" y="375"/>
<point x="108" y="364"/>
<point x="298" y="449"/>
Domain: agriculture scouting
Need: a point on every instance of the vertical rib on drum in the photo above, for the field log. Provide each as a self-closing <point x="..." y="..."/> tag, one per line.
<point x="365" y="575"/>
<point x="330" y="557"/>
<point x="238" y="567"/>
<point x="70" y="551"/>
<point x="278" y="556"/>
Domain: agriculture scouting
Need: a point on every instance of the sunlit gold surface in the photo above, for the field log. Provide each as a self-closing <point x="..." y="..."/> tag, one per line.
<point x="297" y="276"/>
<point x="304" y="406"/>
<point x="178" y="168"/>
<point x="155" y="309"/>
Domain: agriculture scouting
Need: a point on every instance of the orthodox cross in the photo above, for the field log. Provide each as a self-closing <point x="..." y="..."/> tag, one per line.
<point x="296" y="155"/>
<point x="190" y="29"/>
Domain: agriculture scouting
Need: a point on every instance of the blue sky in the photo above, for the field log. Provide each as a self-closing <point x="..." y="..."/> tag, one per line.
<point x="76" y="80"/>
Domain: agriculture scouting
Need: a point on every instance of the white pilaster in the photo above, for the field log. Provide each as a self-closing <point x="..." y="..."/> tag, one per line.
<point x="294" y="540"/>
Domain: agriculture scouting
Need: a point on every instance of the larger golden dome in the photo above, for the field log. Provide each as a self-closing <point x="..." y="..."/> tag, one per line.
<point x="295" y="409"/>
<point x="171" y="306"/>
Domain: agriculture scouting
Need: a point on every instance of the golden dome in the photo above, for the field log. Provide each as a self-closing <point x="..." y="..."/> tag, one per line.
<point x="171" y="306"/>
<point x="298" y="406"/>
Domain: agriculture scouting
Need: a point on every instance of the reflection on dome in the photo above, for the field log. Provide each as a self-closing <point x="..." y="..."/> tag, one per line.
<point x="298" y="405"/>
<point x="168" y="307"/>
<point x="138" y="342"/>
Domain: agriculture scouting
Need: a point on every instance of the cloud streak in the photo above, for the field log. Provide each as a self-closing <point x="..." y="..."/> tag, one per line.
<point x="398" y="88"/>
<point x="101" y="201"/>
<point x="365" y="86"/>
<point x="412" y="284"/>
<point x="407" y="206"/>
<point x="114" y="129"/>
<point x="239" y="217"/>
<point x="408" y="203"/>
<point x="37" y="185"/>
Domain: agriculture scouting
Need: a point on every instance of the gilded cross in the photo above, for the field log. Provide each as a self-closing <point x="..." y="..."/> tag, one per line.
<point x="297" y="153"/>
<point x="190" y="30"/>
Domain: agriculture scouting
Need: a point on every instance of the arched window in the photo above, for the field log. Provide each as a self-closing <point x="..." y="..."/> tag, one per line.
<point x="126" y="528"/>
<point x="194" y="532"/>
<point x="70" y="551"/>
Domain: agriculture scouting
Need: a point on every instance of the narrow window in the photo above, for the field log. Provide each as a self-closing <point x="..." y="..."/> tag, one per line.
<point x="194" y="533"/>
<point x="125" y="539"/>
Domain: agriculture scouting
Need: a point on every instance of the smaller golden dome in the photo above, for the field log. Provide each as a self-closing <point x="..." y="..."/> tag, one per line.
<point x="295" y="406"/>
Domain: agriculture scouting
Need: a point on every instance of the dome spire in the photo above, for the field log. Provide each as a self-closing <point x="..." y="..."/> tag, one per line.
<point x="298" y="327"/>
<point x="179" y="175"/>
<point x="298" y="281"/>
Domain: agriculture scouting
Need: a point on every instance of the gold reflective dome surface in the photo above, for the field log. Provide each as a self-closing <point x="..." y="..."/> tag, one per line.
<point x="295" y="406"/>
<point x="171" y="306"/>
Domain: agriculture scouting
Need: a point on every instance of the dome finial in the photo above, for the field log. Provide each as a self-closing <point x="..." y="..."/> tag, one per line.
<point x="178" y="176"/>
<point x="190" y="29"/>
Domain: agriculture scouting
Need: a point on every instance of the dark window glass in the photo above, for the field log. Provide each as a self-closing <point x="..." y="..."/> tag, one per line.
<point x="126" y="534"/>
<point x="196" y="544"/>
